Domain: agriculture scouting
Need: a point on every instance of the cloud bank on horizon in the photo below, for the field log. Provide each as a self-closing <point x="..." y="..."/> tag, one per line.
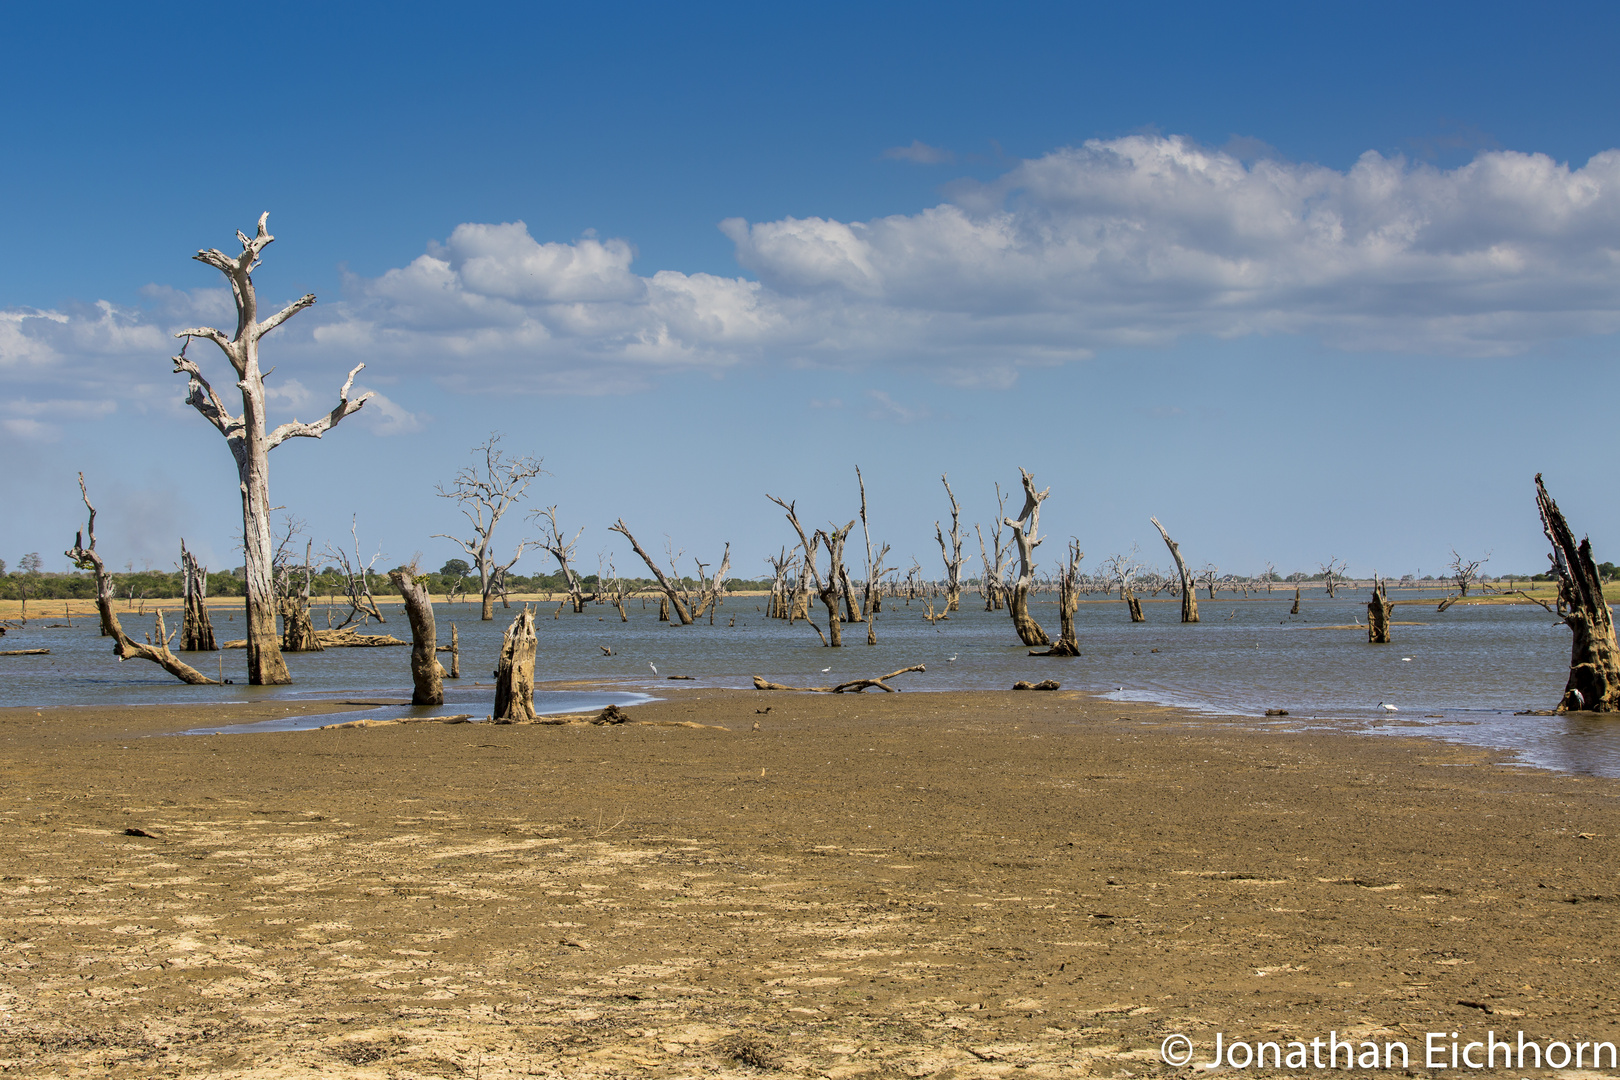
<point x="1115" y="243"/>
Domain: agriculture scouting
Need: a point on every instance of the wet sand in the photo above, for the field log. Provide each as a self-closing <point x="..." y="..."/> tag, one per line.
<point x="965" y="884"/>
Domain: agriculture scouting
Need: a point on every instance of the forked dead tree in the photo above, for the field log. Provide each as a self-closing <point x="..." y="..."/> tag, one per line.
<point x="293" y="582"/>
<point x="514" y="677"/>
<point x="1120" y="571"/>
<point x="563" y="550"/>
<point x="1068" y="643"/>
<point x="951" y="552"/>
<point x="672" y="595"/>
<point x="876" y="571"/>
<point x="249" y="442"/>
<point x="1464" y="571"/>
<point x="995" y="568"/>
<point x="827" y="589"/>
<point x="427" y="677"/>
<point x="1594" y="659"/>
<point x="1025" y="534"/>
<point x="484" y="491"/>
<point x="1210" y="575"/>
<point x="156" y="648"/>
<point x="356" y="579"/>
<point x="1379" y="610"/>
<point x="1332" y="574"/>
<point x="197" y="631"/>
<point x="1189" y="596"/>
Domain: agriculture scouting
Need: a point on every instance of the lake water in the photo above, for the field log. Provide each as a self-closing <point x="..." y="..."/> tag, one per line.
<point x="1458" y="675"/>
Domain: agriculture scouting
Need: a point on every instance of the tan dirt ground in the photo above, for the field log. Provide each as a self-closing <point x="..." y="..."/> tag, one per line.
<point x="956" y="885"/>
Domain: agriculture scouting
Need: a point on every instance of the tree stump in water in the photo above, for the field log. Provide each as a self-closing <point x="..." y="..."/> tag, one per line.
<point x="514" y="677"/>
<point x="1594" y="658"/>
<point x="426" y="674"/>
<point x="1378" y="612"/>
<point x="1189" y="594"/>
<point x="197" y="630"/>
<point x="1135" y="605"/>
<point x="1295" y="609"/>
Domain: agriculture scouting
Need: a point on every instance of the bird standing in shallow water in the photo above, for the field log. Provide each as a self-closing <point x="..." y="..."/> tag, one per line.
<point x="650" y="664"/>
<point x="1387" y="707"/>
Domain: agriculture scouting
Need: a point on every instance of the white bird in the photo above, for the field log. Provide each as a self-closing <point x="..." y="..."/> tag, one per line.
<point x="1406" y="659"/>
<point x="651" y="665"/>
<point x="1580" y="701"/>
<point x="1387" y="707"/>
<point x="825" y="670"/>
<point x="951" y="659"/>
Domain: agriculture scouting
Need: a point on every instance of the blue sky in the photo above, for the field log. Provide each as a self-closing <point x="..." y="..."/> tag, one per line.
<point x="1301" y="281"/>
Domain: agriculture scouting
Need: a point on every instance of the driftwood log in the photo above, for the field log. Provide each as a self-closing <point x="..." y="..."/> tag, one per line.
<point x="156" y="648"/>
<point x="853" y="686"/>
<point x="427" y="677"/>
<point x="1044" y="684"/>
<point x="1594" y="659"/>
<point x="1189" y="594"/>
<point x="26" y="652"/>
<point x="514" y="677"/>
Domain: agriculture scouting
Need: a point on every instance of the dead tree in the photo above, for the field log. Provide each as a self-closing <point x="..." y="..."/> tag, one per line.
<point x="297" y="629"/>
<point x="875" y="570"/>
<point x="427" y="677"/>
<point x="1068" y="643"/>
<point x="156" y="648"/>
<point x="514" y="677"/>
<point x="356" y="579"/>
<point x="837" y="578"/>
<point x="707" y="601"/>
<point x="1189" y="597"/>
<point x="995" y="582"/>
<point x="828" y="589"/>
<point x="1594" y="659"/>
<point x="563" y="551"/>
<point x="879" y="682"/>
<point x="1332" y="574"/>
<point x="672" y="595"/>
<point x="484" y="492"/>
<point x="1379" y="610"/>
<point x="782" y="567"/>
<point x="1210" y="575"/>
<point x="951" y="553"/>
<point x="615" y="593"/>
<point x="249" y="442"/>
<point x="197" y="631"/>
<point x="1120" y="571"/>
<point x="1466" y="571"/>
<point x="1025" y="533"/>
<point x="1295" y="609"/>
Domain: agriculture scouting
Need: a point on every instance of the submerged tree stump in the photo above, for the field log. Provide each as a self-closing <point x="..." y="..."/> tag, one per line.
<point x="1378" y="613"/>
<point x="1295" y="609"/>
<point x="197" y="630"/>
<point x="427" y="676"/>
<point x="514" y="677"/>
<point x="1594" y="658"/>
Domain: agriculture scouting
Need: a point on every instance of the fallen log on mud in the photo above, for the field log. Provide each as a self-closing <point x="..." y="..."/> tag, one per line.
<point x="26" y="652"/>
<point x="853" y="686"/>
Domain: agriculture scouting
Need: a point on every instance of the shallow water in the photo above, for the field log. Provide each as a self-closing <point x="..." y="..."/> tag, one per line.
<point x="1458" y="674"/>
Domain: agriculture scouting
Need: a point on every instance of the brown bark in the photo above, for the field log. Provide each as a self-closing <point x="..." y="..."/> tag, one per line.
<point x="952" y="553"/>
<point x="427" y="677"/>
<point x="831" y="591"/>
<point x="297" y="629"/>
<point x="1594" y="658"/>
<point x="853" y="686"/>
<point x="249" y="442"/>
<point x="1133" y="604"/>
<point x="514" y="678"/>
<point x="1068" y="643"/>
<point x="1379" y="610"/>
<point x="455" y="652"/>
<point x="1027" y="539"/>
<point x="156" y="648"/>
<point x="672" y="598"/>
<point x="197" y="630"/>
<point x="1295" y="609"/>
<point x="1189" y="595"/>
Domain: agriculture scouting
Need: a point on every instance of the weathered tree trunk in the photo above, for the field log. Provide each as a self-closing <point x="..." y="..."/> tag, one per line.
<point x="1029" y="631"/>
<point x="297" y="628"/>
<point x="1189" y="595"/>
<point x="663" y="608"/>
<point x="1594" y="658"/>
<point x="1132" y="603"/>
<point x="952" y="554"/>
<point x="426" y="674"/>
<point x="514" y="677"/>
<point x="673" y="599"/>
<point x="455" y="653"/>
<point x="1378" y="612"/>
<point x="250" y="443"/>
<point x="875" y="569"/>
<point x="1068" y="643"/>
<point x="837" y="580"/>
<point x="197" y="630"/>
<point x="1295" y="609"/>
<point x="156" y="648"/>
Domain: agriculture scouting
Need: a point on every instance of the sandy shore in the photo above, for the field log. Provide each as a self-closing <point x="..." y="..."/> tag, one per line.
<point x="912" y="884"/>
